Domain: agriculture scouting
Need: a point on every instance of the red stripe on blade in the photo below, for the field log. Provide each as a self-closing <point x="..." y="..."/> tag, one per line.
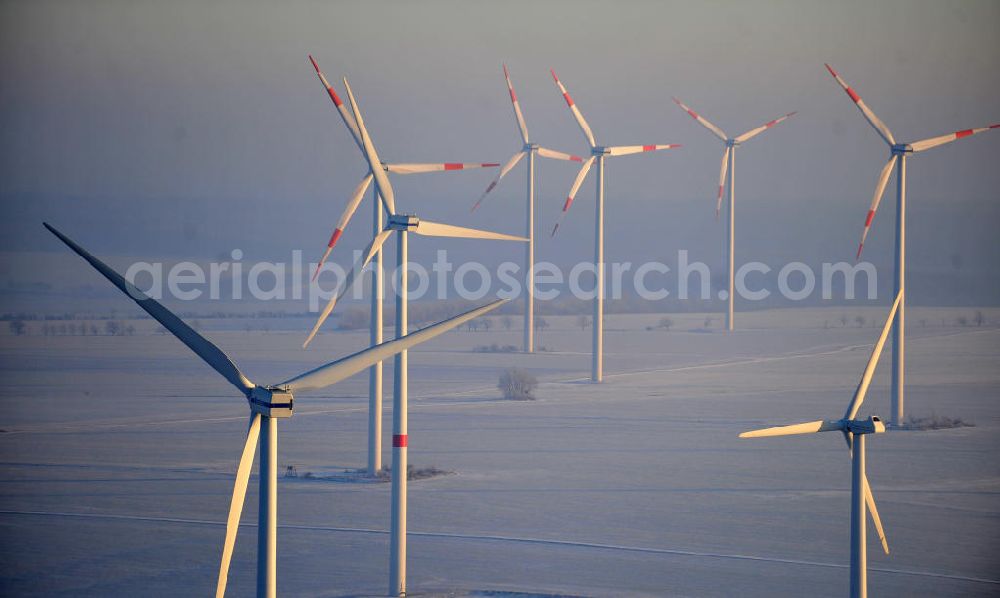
<point x="454" y="166"/>
<point x="399" y="441"/>
<point x="693" y="114"/>
<point x="490" y="164"/>
<point x="648" y="148"/>
<point x="853" y="95"/>
<point x="576" y="158"/>
<point x="569" y="100"/>
<point x="869" y="217"/>
<point x="333" y="96"/>
<point x="569" y="200"/>
<point x="333" y="238"/>
<point x="965" y="133"/>
<point x="513" y="96"/>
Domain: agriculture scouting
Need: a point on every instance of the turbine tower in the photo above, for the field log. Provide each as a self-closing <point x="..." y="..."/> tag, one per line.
<point x="528" y="150"/>
<point x="375" y="324"/>
<point x="597" y="153"/>
<point x="854" y="431"/>
<point x="402" y="225"/>
<point x="729" y="164"/>
<point x="267" y="405"/>
<point x="897" y="157"/>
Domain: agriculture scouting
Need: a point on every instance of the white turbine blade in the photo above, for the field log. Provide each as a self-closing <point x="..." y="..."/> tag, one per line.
<point x="236" y="504"/>
<point x="202" y="347"/>
<point x="374" y="163"/>
<point x="344" y="114"/>
<point x="582" y="174"/>
<point x="883" y="180"/>
<point x="803" y="428"/>
<point x="703" y="121"/>
<point x="548" y="153"/>
<point x="336" y="371"/>
<point x="352" y="206"/>
<point x="876" y="520"/>
<point x="624" y="150"/>
<point x="754" y="132"/>
<point x="927" y="144"/>
<point x="506" y="168"/>
<point x="866" y="377"/>
<point x="517" y="107"/>
<point x="359" y="265"/>
<point x="873" y="120"/>
<point x="576" y="112"/>
<point x="722" y="180"/>
<point x="437" y="167"/>
<point x="436" y="229"/>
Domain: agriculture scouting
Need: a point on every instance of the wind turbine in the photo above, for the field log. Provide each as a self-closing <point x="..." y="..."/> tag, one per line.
<point x="598" y="153"/>
<point x="402" y="225"/>
<point x="375" y="325"/>
<point x="267" y="405"/>
<point x="528" y="150"/>
<point x="854" y="431"/>
<point x="729" y="163"/>
<point x="897" y="158"/>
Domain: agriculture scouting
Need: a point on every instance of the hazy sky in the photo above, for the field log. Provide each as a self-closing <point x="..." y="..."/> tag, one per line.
<point x="190" y="128"/>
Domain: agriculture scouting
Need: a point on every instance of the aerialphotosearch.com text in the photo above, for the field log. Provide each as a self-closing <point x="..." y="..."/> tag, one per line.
<point x="472" y="280"/>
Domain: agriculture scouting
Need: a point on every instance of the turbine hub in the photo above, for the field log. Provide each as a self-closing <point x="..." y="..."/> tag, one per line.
<point x="271" y="401"/>
<point x="403" y="222"/>
<point x="600" y="151"/>
<point x="902" y="148"/>
<point x="530" y="147"/>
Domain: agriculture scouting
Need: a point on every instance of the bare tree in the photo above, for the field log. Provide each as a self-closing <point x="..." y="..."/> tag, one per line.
<point x="507" y="322"/>
<point x="540" y="324"/>
<point x="17" y="327"/>
<point x="487" y="323"/>
<point x="859" y="320"/>
<point x="582" y="321"/>
<point x="978" y="318"/>
<point x="666" y="323"/>
<point x="517" y="384"/>
<point x="843" y="319"/>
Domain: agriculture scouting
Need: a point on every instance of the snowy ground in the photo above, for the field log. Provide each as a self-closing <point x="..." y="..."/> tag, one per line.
<point x="117" y="457"/>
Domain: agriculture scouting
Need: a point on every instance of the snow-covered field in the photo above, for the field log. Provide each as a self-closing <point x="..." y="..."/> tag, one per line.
<point x="117" y="457"/>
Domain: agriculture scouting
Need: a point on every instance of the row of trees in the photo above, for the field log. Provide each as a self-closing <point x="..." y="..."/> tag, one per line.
<point x="109" y="328"/>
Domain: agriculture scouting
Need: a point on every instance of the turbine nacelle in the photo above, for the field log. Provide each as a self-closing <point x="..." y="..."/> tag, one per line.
<point x="599" y="150"/>
<point x="271" y="401"/>
<point x="402" y="222"/>
<point x="872" y="425"/>
<point x="530" y="146"/>
<point x="899" y="149"/>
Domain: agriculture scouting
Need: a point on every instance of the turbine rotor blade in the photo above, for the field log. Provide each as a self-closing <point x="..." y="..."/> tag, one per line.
<point x="702" y="121"/>
<point x="359" y="266"/>
<point x="202" y="347"/>
<point x="548" y="153"/>
<point x="754" y="132"/>
<point x="506" y="168"/>
<point x="866" y="377"/>
<point x="876" y="520"/>
<point x="927" y="144"/>
<point x="341" y="369"/>
<point x="437" y="167"/>
<point x="582" y="174"/>
<point x="624" y="150"/>
<point x="722" y="180"/>
<point x="436" y="229"/>
<point x="374" y="163"/>
<point x="236" y="503"/>
<point x="341" y="108"/>
<point x="883" y="180"/>
<point x="517" y="107"/>
<point x="352" y="206"/>
<point x="803" y="428"/>
<point x="576" y="112"/>
<point x="873" y="120"/>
